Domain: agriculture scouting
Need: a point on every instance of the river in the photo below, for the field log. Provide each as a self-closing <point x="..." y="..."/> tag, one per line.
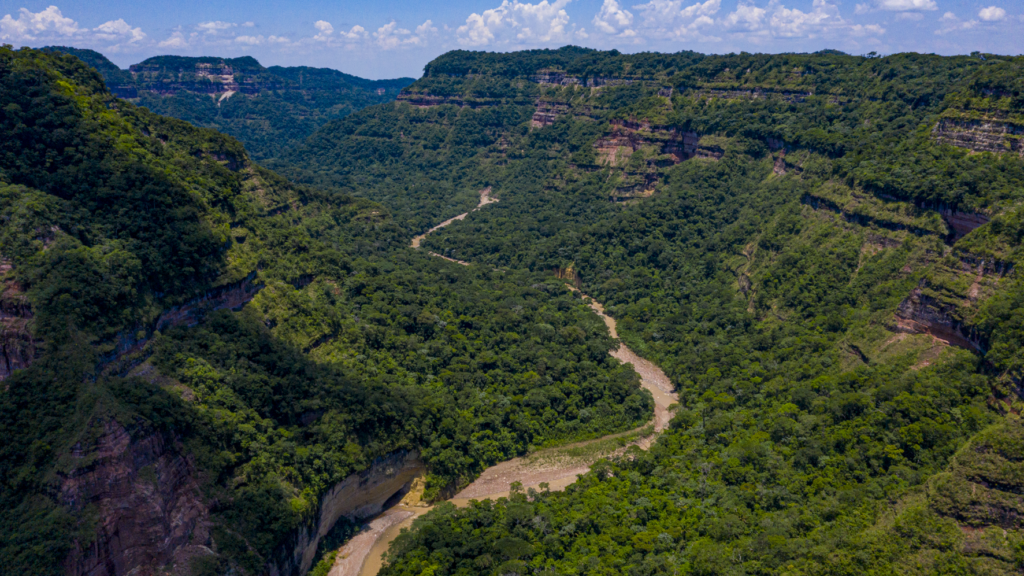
<point x="558" y="467"/>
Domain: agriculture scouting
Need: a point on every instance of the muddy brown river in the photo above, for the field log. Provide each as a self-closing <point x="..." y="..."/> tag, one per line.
<point x="558" y="467"/>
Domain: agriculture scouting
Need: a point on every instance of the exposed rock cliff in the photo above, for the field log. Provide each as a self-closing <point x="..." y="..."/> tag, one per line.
<point x="359" y="496"/>
<point x="793" y="96"/>
<point x="146" y="502"/>
<point x="17" y="346"/>
<point x="981" y="135"/>
<point x="920" y="313"/>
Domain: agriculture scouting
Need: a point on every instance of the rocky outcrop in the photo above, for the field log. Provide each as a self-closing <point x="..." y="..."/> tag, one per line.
<point x="359" y="496"/>
<point x="145" y="500"/>
<point x="204" y="78"/>
<point x="961" y="223"/>
<point x="826" y="204"/>
<point x="18" y="348"/>
<point x="791" y="96"/>
<point x="227" y="297"/>
<point x="554" y="78"/>
<point x="920" y="313"/>
<point x="981" y="135"/>
<point x="678" y="145"/>
<point x="547" y="113"/>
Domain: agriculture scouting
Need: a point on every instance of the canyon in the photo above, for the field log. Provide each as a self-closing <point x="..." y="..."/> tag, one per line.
<point x="549" y="469"/>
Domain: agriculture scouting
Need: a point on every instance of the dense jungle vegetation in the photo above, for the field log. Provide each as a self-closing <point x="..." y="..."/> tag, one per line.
<point x="814" y="438"/>
<point x="828" y="280"/>
<point x="355" y="347"/>
<point x="277" y="109"/>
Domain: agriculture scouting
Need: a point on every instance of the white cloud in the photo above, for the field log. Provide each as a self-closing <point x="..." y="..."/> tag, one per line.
<point x="390" y="36"/>
<point x="175" y="40"/>
<point x="355" y="33"/>
<point x="248" y="24"/>
<point x="905" y="5"/>
<point x="526" y="23"/>
<point x="326" y="34"/>
<point x="954" y="24"/>
<point x="278" y="40"/>
<point x="325" y="29"/>
<point x="32" y="25"/>
<point x="992" y="14"/>
<point x="794" y="23"/>
<point x="747" y="17"/>
<point x="668" y="18"/>
<point x="614" y="20"/>
<point x="910" y="16"/>
<point x="119" y="30"/>
<point x="862" y="9"/>
<point x="866" y="30"/>
<point x="250" y="40"/>
<point x="215" y="26"/>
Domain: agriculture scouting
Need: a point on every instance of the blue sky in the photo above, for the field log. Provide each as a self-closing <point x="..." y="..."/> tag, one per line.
<point x="390" y="38"/>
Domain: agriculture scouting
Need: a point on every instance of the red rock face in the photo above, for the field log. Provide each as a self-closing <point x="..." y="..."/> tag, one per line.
<point x="963" y="222"/>
<point x="922" y="314"/>
<point x="148" y="505"/>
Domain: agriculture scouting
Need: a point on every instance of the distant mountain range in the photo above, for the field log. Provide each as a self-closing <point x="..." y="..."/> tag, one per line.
<point x="280" y="107"/>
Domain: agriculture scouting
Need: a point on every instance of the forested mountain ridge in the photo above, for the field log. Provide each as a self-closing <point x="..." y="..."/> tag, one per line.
<point x="269" y="109"/>
<point x="820" y="250"/>
<point x="148" y="426"/>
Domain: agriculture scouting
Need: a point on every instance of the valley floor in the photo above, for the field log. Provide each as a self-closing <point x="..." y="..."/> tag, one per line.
<point x="555" y="468"/>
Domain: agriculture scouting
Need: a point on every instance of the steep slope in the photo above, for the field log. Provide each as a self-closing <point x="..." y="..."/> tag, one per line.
<point x="206" y="367"/>
<point x="831" y="281"/>
<point x="270" y="110"/>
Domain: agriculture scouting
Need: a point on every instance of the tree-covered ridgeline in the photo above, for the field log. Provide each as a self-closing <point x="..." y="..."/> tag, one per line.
<point x="778" y="281"/>
<point x="270" y="110"/>
<point x="820" y="250"/>
<point x="353" y="348"/>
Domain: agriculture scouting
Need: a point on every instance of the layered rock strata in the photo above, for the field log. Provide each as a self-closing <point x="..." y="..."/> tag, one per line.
<point x="920" y="313"/>
<point x="145" y="500"/>
<point x="359" y="496"/>
<point x="981" y="135"/>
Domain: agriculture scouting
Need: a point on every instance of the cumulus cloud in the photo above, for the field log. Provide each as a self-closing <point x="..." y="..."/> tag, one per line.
<point x="614" y="20"/>
<point x="670" y="19"/>
<point x="794" y="23"/>
<point x="390" y="36"/>
<point x="860" y="30"/>
<point x="905" y="5"/>
<point x="992" y="14"/>
<point x="215" y="26"/>
<point x="746" y="18"/>
<point x="910" y="16"/>
<point x="514" y="20"/>
<point x="325" y="29"/>
<point x="953" y="24"/>
<point x="175" y="40"/>
<point x="119" y="30"/>
<point x="33" y="25"/>
<point x="250" y="40"/>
